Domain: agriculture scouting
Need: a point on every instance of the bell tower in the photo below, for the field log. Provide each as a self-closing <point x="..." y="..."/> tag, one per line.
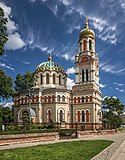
<point x="86" y="61"/>
<point x="86" y="93"/>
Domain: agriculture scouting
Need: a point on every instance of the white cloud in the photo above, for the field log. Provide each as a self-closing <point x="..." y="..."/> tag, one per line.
<point x="68" y="57"/>
<point x="73" y="26"/>
<point x="6" y="104"/>
<point x="120" y="90"/>
<point x="50" y="50"/>
<point x="109" y="97"/>
<point x="107" y="32"/>
<point x="69" y="11"/>
<point x="26" y="62"/>
<point x="53" y="8"/>
<point x="6" y="66"/>
<point x="77" y="27"/>
<point x="70" y="83"/>
<point x="80" y="10"/>
<point x="118" y="84"/>
<point x="11" y="25"/>
<point x="113" y="69"/>
<point x="44" y="49"/>
<point x="66" y="2"/>
<point x="104" y="97"/>
<point x="102" y="85"/>
<point x="14" y="42"/>
<point x="70" y="70"/>
<point x="122" y="3"/>
<point x="98" y="23"/>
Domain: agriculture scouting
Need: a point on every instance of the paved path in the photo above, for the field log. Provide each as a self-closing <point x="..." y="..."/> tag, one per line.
<point x="114" y="152"/>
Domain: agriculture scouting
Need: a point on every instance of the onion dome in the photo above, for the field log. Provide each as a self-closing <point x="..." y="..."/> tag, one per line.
<point x="50" y="65"/>
<point x="86" y="31"/>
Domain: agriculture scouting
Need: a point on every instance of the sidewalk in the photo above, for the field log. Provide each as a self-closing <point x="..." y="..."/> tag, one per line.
<point x="120" y="153"/>
<point x="114" y="152"/>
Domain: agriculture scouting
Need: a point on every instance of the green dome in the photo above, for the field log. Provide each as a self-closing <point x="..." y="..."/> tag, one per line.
<point x="50" y="65"/>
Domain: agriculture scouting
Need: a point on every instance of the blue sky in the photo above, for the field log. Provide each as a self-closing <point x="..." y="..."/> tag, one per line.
<point x="39" y="27"/>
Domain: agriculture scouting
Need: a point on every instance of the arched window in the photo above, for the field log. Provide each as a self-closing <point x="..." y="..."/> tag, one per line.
<point x="49" y="115"/>
<point x="33" y="99"/>
<point x="18" y="101"/>
<point x="41" y="79"/>
<point x="87" y="75"/>
<point x="61" y="115"/>
<point x="45" y="99"/>
<point x="37" y="98"/>
<point x="84" y="45"/>
<point x="54" y="79"/>
<point x="49" y="98"/>
<point x="90" y="45"/>
<point x="82" y="75"/>
<point x="87" y="116"/>
<point x="63" y="98"/>
<point x="25" y="99"/>
<point x="58" y="98"/>
<point x="53" y="98"/>
<point x="22" y="100"/>
<point x="60" y="79"/>
<point x="74" y="99"/>
<point x="82" y="99"/>
<point x="90" y="98"/>
<point x="78" y="116"/>
<point x="80" y="47"/>
<point x="83" y="116"/>
<point x="86" y="98"/>
<point x="47" y="78"/>
<point x="78" y="99"/>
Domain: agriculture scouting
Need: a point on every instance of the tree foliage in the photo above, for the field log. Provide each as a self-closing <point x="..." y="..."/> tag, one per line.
<point x="112" y="108"/>
<point x="6" y="114"/>
<point x="24" y="82"/>
<point x="3" y="28"/>
<point x="6" y="85"/>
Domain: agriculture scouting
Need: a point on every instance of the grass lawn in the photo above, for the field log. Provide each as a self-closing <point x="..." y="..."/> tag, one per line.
<point x="78" y="150"/>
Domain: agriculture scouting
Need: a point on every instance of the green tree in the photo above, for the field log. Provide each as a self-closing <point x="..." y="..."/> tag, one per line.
<point x="3" y="34"/>
<point x="6" y="114"/>
<point x="24" y="82"/>
<point x="6" y="85"/>
<point x="112" y="108"/>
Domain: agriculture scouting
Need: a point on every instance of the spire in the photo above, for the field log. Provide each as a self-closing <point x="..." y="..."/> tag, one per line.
<point x="50" y="57"/>
<point x="86" y="24"/>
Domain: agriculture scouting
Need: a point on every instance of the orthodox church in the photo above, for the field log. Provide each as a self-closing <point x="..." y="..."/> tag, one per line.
<point x="49" y="100"/>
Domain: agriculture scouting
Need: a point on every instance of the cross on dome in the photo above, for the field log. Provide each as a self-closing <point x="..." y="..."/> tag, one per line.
<point x="86" y="24"/>
<point x="50" y="57"/>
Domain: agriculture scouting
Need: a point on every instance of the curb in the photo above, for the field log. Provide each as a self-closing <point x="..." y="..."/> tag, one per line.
<point x="106" y="149"/>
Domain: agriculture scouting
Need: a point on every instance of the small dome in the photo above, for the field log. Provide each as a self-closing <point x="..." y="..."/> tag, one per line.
<point x="86" y="30"/>
<point x="50" y="65"/>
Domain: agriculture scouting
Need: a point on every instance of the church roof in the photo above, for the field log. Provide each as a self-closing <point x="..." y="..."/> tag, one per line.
<point x="50" y="65"/>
